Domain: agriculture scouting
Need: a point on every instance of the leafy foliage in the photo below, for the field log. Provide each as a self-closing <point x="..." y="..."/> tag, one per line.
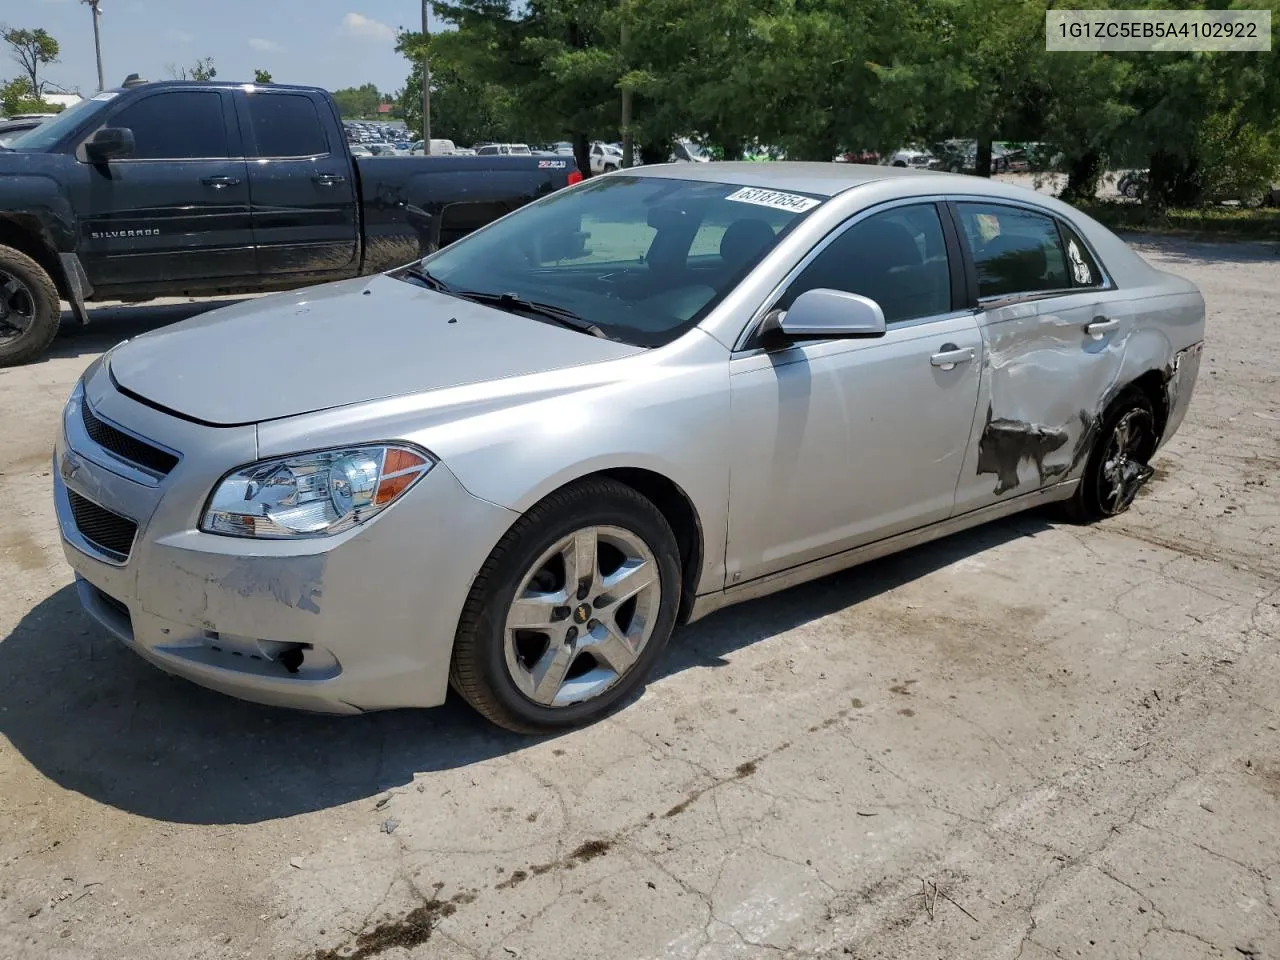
<point x="355" y="103"/>
<point x="202" y="69"/>
<point x="32" y="49"/>
<point x="262" y="76"/>
<point x="16" y="97"/>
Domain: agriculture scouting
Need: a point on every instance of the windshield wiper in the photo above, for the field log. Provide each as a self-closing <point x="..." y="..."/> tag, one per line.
<point x="426" y="278"/>
<point x="510" y="301"/>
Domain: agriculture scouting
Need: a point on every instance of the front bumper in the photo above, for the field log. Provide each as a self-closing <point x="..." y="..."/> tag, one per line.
<point x="370" y="613"/>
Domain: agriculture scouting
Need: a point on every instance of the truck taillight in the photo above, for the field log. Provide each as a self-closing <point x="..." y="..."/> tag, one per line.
<point x="575" y="176"/>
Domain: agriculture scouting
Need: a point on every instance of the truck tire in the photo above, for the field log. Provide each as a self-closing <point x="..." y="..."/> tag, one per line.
<point x="29" y="308"/>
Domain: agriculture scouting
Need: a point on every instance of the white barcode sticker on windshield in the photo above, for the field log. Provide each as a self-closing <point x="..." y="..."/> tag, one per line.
<point x="775" y="199"/>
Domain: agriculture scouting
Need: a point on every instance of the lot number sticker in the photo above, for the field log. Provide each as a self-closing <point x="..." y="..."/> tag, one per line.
<point x="792" y="202"/>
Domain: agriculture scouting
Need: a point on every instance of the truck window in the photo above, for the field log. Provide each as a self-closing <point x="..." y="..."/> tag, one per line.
<point x="286" y="125"/>
<point x="176" y="125"/>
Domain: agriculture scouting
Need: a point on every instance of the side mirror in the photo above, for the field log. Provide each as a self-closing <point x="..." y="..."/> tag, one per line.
<point x="109" y="143"/>
<point x="826" y="315"/>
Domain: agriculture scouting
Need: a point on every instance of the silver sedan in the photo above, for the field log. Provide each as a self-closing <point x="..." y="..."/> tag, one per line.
<point x="517" y="465"/>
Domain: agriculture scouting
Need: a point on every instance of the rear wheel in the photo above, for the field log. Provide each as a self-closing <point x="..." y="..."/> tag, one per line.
<point x="29" y="308"/>
<point x="571" y="610"/>
<point x="1118" y="463"/>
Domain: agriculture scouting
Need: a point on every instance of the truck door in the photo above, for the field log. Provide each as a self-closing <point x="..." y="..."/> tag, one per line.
<point x="178" y="208"/>
<point x="301" y="185"/>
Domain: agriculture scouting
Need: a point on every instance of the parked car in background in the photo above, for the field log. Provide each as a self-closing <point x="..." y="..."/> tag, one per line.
<point x="151" y="191"/>
<point x="10" y="130"/>
<point x="605" y="158"/>
<point x="910" y="157"/>
<point x="503" y="150"/>
<point x="439" y="148"/>
<point x="858" y="156"/>
<point x="550" y="453"/>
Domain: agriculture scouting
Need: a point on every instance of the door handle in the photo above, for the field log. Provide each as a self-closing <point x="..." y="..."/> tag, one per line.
<point x="950" y="355"/>
<point x="1101" y="326"/>
<point x="329" y="179"/>
<point x="219" y="182"/>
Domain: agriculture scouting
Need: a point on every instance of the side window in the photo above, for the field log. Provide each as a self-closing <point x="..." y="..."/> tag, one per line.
<point x="1084" y="269"/>
<point x="176" y="125"/>
<point x="1014" y="250"/>
<point x="286" y="125"/>
<point x="897" y="258"/>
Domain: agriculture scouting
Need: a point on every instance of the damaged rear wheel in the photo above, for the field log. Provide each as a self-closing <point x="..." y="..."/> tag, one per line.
<point x="1118" y="463"/>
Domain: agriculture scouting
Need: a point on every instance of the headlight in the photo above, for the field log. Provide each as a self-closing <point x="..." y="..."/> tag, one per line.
<point x="312" y="494"/>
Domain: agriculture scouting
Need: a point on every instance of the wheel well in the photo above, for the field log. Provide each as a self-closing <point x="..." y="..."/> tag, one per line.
<point x="23" y="234"/>
<point x="680" y="514"/>
<point x="1151" y="384"/>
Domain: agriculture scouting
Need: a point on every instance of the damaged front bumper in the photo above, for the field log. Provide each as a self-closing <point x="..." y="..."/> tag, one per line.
<point x="359" y="621"/>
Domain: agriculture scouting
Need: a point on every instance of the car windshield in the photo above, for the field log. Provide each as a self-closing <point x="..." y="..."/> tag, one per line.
<point x="41" y="138"/>
<point x="642" y="259"/>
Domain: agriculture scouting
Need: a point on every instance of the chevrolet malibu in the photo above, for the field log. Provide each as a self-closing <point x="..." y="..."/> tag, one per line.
<point x="516" y="465"/>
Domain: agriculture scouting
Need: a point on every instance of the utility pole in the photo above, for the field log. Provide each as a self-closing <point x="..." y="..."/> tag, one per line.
<point x="628" y="147"/>
<point x="426" y="83"/>
<point x="96" y="9"/>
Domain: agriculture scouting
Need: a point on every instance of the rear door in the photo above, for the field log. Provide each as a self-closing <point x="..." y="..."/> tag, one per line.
<point x="301" y="185"/>
<point x="1055" y="337"/>
<point x="178" y="208"/>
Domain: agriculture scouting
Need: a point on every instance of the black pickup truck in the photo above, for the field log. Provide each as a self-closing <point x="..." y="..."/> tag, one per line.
<point x="192" y="189"/>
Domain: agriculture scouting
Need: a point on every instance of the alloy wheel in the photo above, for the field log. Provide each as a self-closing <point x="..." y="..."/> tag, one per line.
<point x="582" y="616"/>
<point x="1124" y="470"/>
<point x="17" y="308"/>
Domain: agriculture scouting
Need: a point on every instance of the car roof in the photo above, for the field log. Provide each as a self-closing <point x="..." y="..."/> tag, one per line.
<point x="823" y="179"/>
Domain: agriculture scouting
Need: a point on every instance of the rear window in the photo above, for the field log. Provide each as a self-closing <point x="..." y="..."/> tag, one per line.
<point x="286" y="125"/>
<point x="1015" y="250"/>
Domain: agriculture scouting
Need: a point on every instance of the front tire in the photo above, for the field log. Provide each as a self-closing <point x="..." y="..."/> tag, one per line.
<point x="29" y="308"/>
<point x="1118" y="461"/>
<point x="571" y="610"/>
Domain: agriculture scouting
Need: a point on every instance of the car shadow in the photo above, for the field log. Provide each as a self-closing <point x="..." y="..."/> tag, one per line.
<point x="1186" y="250"/>
<point x="96" y="719"/>
<point x="111" y="323"/>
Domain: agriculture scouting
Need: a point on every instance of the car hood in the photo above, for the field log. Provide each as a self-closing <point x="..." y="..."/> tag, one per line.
<point x="339" y="344"/>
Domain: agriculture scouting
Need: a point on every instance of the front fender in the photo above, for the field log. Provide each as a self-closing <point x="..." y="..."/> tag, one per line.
<point x="37" y="202"/>
<point x="669" y="417"/>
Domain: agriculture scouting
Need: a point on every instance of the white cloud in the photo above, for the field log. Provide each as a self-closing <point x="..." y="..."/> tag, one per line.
<point x="358" y="25"/>
<point x="264" y="46"/>
<point x="174" y="35"/>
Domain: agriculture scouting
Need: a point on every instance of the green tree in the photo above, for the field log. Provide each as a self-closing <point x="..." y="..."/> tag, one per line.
<point x="32" y="49"/>
<point x="355" y="103"/>
<point x="261" y="76"/>
<point x="202" y="69"/>
<point x="464" y="112"/>
<point x="16" y="97"/>
<point x="555" y="63"/>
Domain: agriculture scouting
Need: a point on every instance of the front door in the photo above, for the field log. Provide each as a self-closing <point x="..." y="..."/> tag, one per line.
<point x="843" y="442"/>
<point x="1055" y="343"/>
<point x="301" y="186"/>
<point x="178" y="208"/>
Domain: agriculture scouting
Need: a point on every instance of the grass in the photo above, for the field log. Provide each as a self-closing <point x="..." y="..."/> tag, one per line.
<point x="1208" y="223"/>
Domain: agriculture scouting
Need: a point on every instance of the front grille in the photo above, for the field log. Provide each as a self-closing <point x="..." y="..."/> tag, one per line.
<point x="126" y="446"/>
<point x="108" y="532"/>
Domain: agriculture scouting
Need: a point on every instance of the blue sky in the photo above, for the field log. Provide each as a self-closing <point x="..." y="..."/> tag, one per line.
<point x="329" y="43"/>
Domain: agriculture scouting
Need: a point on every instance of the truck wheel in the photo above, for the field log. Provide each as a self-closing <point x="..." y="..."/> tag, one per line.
<point x="29" y="308"/>
<point x="570" y="612"/>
